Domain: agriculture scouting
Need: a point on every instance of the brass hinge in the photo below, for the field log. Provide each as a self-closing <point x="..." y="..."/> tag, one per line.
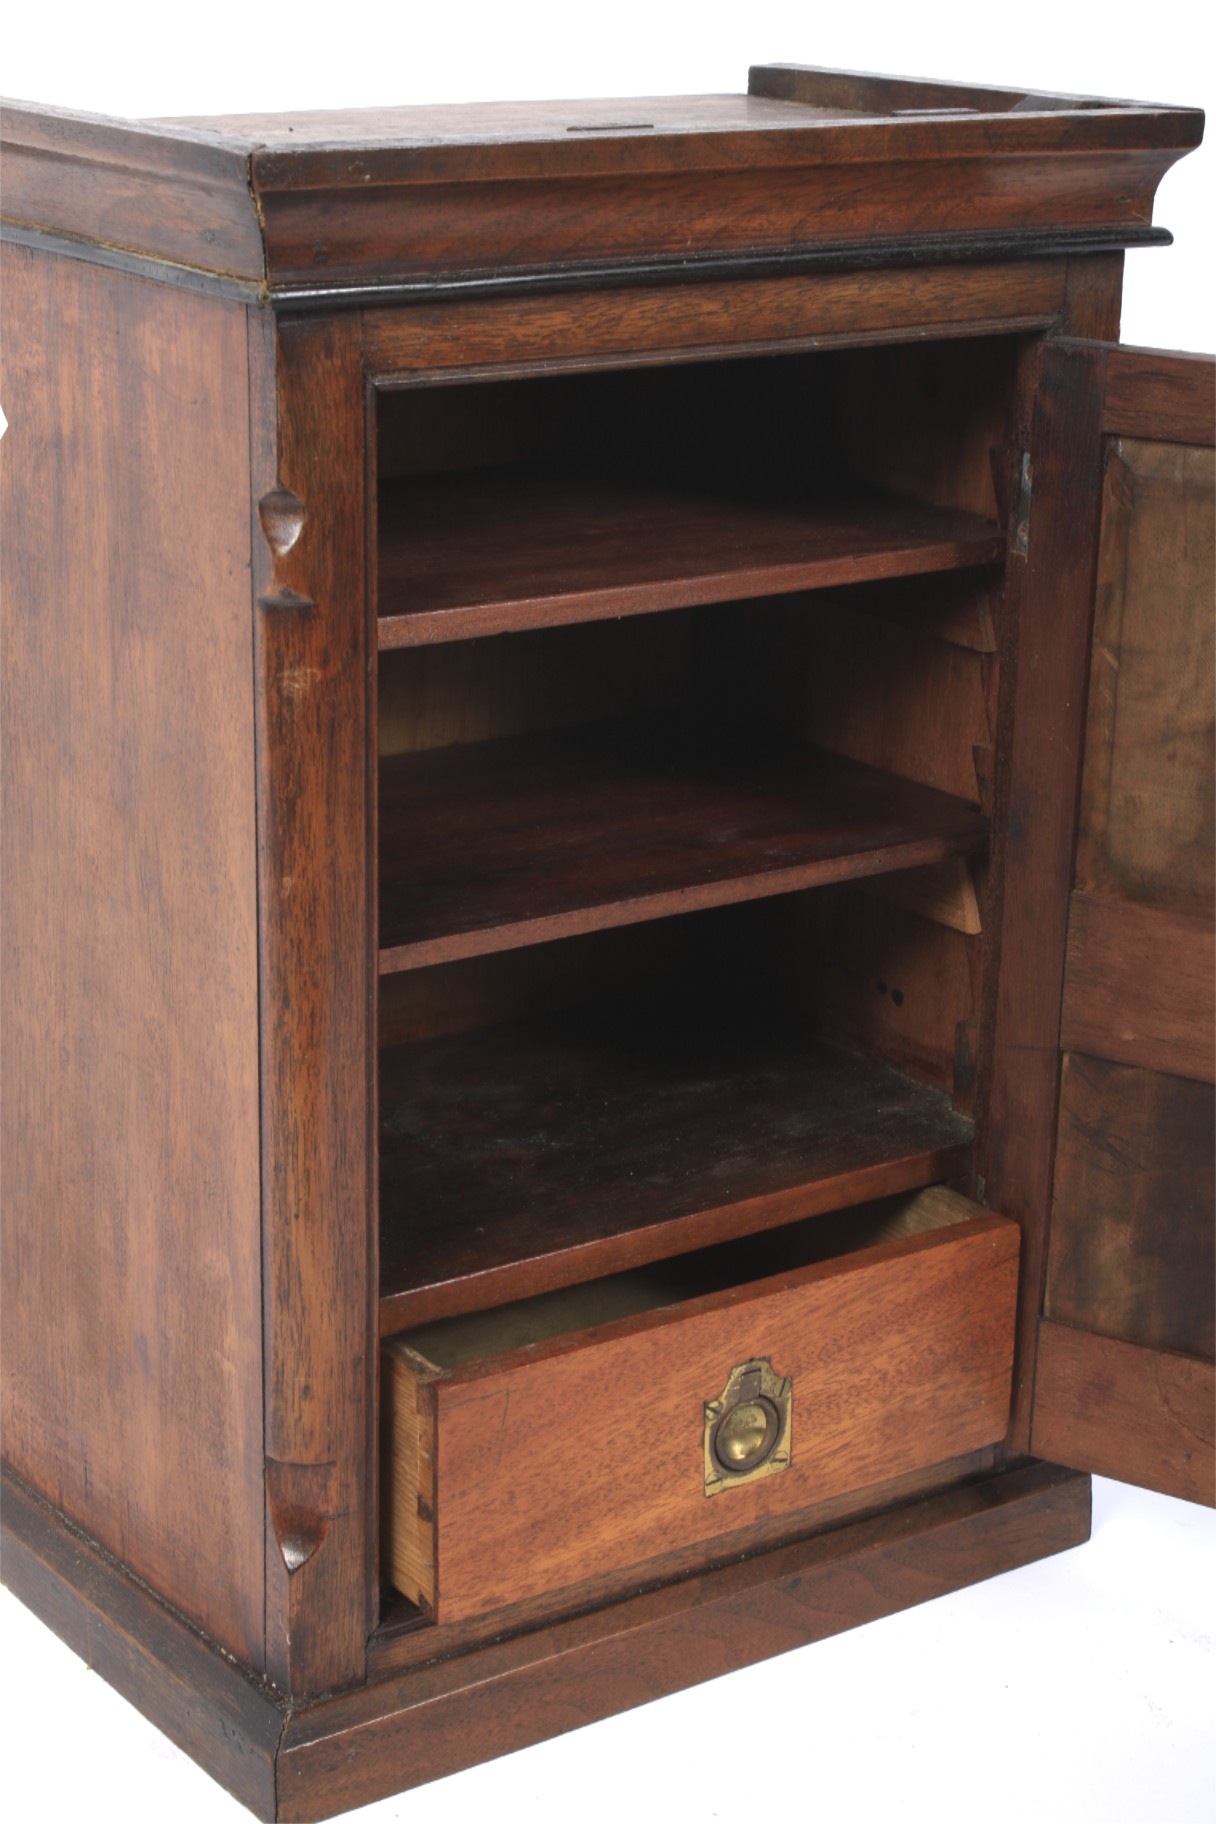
<point x="1021" y="506"/>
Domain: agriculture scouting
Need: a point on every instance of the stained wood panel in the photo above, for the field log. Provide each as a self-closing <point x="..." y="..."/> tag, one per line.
<point x="1133" y="1244"/>
<point x="132" y="1250"/>
<point x="1148" y="803"/>
<point x="1044" y="661"/>
<point x="407" y="1638"/>
<point x="1131" y="1283"/>
<point x="363" y="1745"/>
<point x="533" y="1155"/>
<point x="315" y="213"/>
<point x="1140" y="1415"/>
<point x="1140" y="987"/>
<point x="1169" y="397"/>
<point x="679" y="322"/>
<point x="484" y="690"/>
<point x="173" y="191"/>
<point x="892" y="697"/>
<point x="883" y="977"/>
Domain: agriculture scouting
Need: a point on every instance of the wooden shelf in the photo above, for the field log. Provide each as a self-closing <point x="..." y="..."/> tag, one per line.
<point x="502" y="843"/>
<point x="491" y="551"/>
<point x="525" y="1157"/>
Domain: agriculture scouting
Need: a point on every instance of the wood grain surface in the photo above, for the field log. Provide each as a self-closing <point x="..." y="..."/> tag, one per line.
<point x="194" y="1693"/>
<point x="1140" y="987"/>
<point x="173" y="192"/>
<point x="1133" y="1241"/>
<point x="1147" y="828"/>
<point x="884" y="979"/>
<point x="549" y="210"/>
<point x="132" y="1253"/>
<point x="426" y="1723"/>
<point x="406" y="1637"/>
<point x="1132" y="1268"/>
<point x="900" y="1355"/>
<point x="1168" y="397"/>
<point x="488" y="846"/>
<point x="1140" y="1415"/>
<point x="684" y="322"/>
<point x="1048" y="618"/>
<point x="489" y="552"/>
<point x="527" y="1156"/>
<point x="336" y="200"/>
<point x="316" y="980"/>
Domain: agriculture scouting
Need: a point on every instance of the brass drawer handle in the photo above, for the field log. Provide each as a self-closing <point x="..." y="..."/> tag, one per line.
<point x="748" y="1429"/>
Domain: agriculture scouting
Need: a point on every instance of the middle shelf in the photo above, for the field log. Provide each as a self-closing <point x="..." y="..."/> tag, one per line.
<point x="496" y="844"/>
<point x="522" y="1157"/>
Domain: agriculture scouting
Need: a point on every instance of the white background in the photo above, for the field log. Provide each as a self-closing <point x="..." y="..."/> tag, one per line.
<point x="1079" y="1690"/>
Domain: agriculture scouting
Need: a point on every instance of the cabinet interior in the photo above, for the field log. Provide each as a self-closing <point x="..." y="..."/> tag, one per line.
<point x="687" y="691"/>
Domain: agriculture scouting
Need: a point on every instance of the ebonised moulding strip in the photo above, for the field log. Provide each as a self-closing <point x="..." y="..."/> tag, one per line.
<point x="502" y="843"/>
<point x="762" y="263"/>
<point x="524" y="1157"/>
<point x="921" y="250"/>
<point x="137" y="265"/>
<point x="505" y="549"/>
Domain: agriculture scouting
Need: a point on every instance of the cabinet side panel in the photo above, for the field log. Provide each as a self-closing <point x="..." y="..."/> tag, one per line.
<point x="131" y="1263"/>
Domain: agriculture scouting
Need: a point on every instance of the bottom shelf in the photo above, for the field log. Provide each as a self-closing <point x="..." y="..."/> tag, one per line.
<point x="530" y="1156"/>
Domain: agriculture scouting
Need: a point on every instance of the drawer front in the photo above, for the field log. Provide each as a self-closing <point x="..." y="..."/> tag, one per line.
<point x="547" y="1467"/>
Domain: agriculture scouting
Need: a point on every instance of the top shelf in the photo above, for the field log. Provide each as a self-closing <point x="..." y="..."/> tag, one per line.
<point x="502" y="550"/>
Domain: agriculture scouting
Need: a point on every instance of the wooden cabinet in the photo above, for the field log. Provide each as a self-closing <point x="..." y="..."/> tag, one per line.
<point x="608" y="817"/>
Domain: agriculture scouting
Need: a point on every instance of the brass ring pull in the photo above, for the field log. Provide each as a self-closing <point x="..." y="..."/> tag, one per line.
<point x="744" y="1437"/>
<point x="748" y="1429"/>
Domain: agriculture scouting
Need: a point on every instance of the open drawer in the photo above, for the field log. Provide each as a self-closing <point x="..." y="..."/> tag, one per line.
<point x="547" y="1442"/>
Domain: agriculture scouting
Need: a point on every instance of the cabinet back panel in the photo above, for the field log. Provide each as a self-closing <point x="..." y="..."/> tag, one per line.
<point x="640" y="960"/>
<point x="924" y="420"/>
<point x="516" y="683"/>
<point x="883" y="978"/>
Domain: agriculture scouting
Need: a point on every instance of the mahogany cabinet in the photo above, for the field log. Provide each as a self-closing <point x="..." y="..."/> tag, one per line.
<point x="608" y="974"/>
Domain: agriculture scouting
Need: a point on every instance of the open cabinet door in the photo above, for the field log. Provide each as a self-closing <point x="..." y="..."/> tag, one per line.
<point x="1123" y="1378"/>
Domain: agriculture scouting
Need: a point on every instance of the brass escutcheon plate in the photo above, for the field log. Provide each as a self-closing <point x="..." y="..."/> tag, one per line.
<point x="749" y="1428"/>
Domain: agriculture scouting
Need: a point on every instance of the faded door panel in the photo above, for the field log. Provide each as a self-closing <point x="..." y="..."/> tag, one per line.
<point x="1124" y="1375"/>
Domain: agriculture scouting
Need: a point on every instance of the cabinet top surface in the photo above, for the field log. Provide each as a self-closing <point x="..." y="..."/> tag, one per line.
<point x="829" y="113"/>
<point x="254" y="196"/>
